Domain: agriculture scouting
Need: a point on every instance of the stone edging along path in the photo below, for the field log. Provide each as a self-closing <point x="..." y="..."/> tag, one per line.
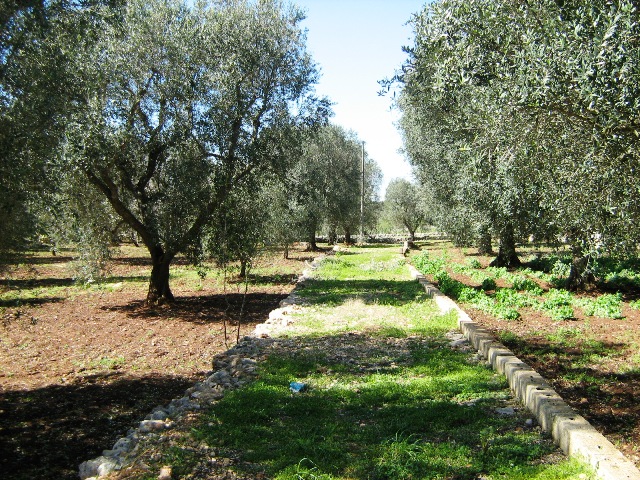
<point x="573" y="433"/>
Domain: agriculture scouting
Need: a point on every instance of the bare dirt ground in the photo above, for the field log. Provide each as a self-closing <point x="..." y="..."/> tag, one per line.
<point x="80" y="366"/>
<point x="592" y="362"/>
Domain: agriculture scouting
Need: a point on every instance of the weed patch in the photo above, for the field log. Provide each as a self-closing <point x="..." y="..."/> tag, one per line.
<point x="605" y="306"/>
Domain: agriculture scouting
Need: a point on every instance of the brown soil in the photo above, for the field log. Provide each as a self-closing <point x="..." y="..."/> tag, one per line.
<point x="593" y="363"/>
<point x="80" y="366"/>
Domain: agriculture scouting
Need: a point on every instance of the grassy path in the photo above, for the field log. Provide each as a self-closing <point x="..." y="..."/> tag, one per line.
<point x="386" y="396"/>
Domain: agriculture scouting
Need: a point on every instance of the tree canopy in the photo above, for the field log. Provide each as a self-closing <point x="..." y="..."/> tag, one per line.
<point x="521" y="118"/>
<point x="166" y="108"/>
<point x="327" y="184"/>
<point x="404" y="207"/>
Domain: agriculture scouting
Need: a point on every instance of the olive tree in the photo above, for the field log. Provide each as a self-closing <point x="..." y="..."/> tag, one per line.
<point x="177" y="106"/>
<point x="534" y="103"/>
<point x="30" y="102"/>
<point x="327" y="183"/>
<point x="403" y="206"/>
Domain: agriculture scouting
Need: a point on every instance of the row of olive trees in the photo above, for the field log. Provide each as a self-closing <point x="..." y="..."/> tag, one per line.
<point x="326" y="186"/>
<point x="405" y="208"/>
<point x="193" y="126"/>
<point x="521" y="119"/>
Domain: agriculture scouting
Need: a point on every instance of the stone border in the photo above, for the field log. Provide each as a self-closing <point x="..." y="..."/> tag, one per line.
<point x="572" y="432"/>
<point x="231" y="369"/>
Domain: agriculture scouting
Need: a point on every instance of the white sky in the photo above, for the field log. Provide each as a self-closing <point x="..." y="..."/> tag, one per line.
<point x="356" y="43"/>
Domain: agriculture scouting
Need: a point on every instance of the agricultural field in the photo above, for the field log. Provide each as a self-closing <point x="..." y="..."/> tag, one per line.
<point x="80" y="364"/>
<point x="587" y="344"/>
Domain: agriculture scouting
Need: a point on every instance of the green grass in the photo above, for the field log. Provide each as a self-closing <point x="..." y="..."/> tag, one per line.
<point x="385" y="397"/>
<point x="406" y="422"/>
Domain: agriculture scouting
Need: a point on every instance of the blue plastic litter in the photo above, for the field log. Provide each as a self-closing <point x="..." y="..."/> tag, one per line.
<point x="297" y="387"/>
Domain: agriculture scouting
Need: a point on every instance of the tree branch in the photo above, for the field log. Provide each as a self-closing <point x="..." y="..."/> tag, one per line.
<point x="110" y="190"/>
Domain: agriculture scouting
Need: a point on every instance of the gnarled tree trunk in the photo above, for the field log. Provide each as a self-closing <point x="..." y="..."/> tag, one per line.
<point x="312" y="245"/>
<point x="507" y="256"/>
<point x="159" y="291"/>
<point x="243" y="268"/>
<point x="484" y="242"/>
<point x="333" y="235"/>
<point x="348" y="240"/>
<point x="412" y="236"/>
<point x="579" y="276"/>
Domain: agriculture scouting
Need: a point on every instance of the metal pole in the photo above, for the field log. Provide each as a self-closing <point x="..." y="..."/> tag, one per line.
<point x="362" y="201"/>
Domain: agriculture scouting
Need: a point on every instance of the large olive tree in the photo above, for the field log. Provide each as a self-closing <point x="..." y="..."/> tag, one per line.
<point x="177" y="105"/>
<point x="535" y="107"/>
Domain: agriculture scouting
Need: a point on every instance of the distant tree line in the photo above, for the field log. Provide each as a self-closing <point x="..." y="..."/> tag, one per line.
<point x="522" y="119"/>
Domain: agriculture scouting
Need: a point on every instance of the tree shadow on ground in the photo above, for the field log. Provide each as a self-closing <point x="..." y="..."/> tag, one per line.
<point x="378" y="246"/>
<point x="276" y="279"/>
<point x="28" y="283"/>
<point x="32" y="302"/>
<point x="380" y="292"/>
<point x="610" y="395"/>
<point x="40" y="260"/>
<point x="47" y="432"/>
<point x="132" y="261"/>
<point x="145" y="261"/>
<point x="128" y="278"/>
<point x="207" y="309"/>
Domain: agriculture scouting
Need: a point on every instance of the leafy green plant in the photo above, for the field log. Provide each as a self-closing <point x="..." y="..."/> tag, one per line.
<point x="474" y="263"/>
<point x="635" y="304"/>
<point x="469" y="294"/>
<point x="506" y="313"/>
<point x="561" y="312"/>
<point x="499" y="272"/>
<point x="448" y="285"/>
<point x="428" y="265"/>
<point x="561" y="268"/>
<point x="625" y="278"/>
<point x="608" y="305"/>
<point x="555" y="298"/>
<point x="488" y="284"/>
<point x="512" y="298"/>
<point x="521" y="283"/>
<point x="557" y="304"/>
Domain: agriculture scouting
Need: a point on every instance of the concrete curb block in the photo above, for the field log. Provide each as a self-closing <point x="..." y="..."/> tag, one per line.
<point x="572" y="432"/>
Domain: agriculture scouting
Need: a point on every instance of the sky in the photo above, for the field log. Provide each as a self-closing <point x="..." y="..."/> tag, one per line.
<point x="356" y="43"/>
